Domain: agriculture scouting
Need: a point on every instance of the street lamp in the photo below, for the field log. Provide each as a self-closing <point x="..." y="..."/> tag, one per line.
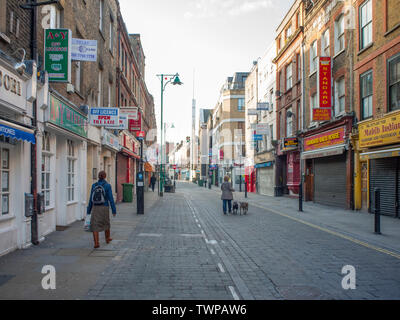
<point x="174" y="79"/>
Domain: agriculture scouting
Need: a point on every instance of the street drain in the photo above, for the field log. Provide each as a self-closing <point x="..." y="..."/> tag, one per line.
<point x="5" y="278"/>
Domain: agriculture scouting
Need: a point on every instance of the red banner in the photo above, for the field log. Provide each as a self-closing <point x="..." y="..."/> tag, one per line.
<point x="324" y="112"/>
<point x="326" y="139"/>
<point x="136" y="125"/>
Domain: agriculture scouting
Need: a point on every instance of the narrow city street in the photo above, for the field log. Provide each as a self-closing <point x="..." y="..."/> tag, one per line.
<point x="184" y="248"/>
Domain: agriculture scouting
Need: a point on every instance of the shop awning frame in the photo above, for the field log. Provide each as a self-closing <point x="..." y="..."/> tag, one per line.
<point x="14" y="131"/>
<point x="325" y="152"/>
<point x="379" y="154"/>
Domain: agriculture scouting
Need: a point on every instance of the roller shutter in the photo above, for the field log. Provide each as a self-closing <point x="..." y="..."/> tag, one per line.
<point x="330" y="181"/>
<point x="384" y="174"/>
<point x="266" y="181"/>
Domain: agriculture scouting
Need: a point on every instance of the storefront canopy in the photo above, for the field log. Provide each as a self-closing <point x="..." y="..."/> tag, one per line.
<point x="17" y="132"/>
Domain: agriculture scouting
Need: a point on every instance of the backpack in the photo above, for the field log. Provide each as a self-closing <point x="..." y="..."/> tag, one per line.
<point x="99" y="196"/>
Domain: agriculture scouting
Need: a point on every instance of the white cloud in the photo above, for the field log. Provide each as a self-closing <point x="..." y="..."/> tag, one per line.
<point x="212" y="8"/>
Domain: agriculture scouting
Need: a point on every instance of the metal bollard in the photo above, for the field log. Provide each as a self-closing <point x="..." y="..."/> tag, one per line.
<point x="245" y="191"/>
<point x="301" y="197"/>
<point x="378" y="211"/>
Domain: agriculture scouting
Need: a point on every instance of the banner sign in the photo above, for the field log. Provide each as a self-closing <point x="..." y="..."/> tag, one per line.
<point x="290" y="144"/>
<point x="57" y="54"/>
<point x="84" y="50"/>
<point x="326" y="139"/>
<point x="262" y="129"/>
<point x="380" y="132"/>
<point x="140" y="135"/>
<point x="263" y="106"/>
<point x="66" y="117"/>
<point x="257" y="137"/>
<point x="324" y="112"/>
<point x="135" y="125"/>
<point x="102" y="117"/>
<point x="131" y="112"/>
<point x="252" y="112"/>
<point x="110" y="140"/>
<point x="122" y="124"/>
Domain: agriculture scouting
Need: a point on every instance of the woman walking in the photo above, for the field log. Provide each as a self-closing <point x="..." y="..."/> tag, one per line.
<point x="101" y="198"/>
<point x="227" y="195"/>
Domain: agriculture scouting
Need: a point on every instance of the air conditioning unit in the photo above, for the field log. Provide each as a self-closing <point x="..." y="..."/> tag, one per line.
<point x="70" y="88"/>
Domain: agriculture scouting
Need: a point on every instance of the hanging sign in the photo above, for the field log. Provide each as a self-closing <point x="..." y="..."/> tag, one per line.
<point x="122" y="124"/>
<point x="102" y="117"/>
<point x="131" y="112"/>
<point x="57" y="54"/>
<point x="324" y="112"/>
<point x="84" y="50"/>
<point x="135" y="125"/>
<point x="252" y="112"/>
<point x="263" y="106"/>
<point x="262" y="128"/>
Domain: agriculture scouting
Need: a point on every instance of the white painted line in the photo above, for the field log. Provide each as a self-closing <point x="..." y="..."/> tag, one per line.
<point x="221" y="268"/>
<point x="234" y="294"/>
<point x="197" y="221"/>
<point x="212" y="251"/>
<point x="117" y="258"/>
<point x="206" y="240"/>
<point x="212" y="242"/>
<point x="150" y="235"/>
<point x="199" y="226"/>
<point x="202" y="232"/>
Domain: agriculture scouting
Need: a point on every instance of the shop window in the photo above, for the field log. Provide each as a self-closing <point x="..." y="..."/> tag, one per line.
<point x="5" y="181"/>
<point x="365" y="24"/>
<point x="71" y="162"/>
<point x="366" y="89"/>
<point x="339" y="96"/>
<point x="394" y="84"/>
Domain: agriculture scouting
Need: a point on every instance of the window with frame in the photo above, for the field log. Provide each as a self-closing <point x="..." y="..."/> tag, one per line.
<point x="366" y="91"/>
<point x="289" y="123"/>
<point x="313" y="105"/>
<point x="78" y="76"/>
<point x="100" y="95"/>
<point x="365" y="24"/>
<point x="339" y="34"/>
<point x="289" y="76"/>
<point x="313" y="57"/>
<point x="271" y="101"/>
<point x="71" y="162"/>
<point x="241" y="104"/>
<point x="288" y="32"/>
<point x="111" y="35"/>
<point x="326" y="44"/>
<point x="394" y="84"/>
<point x="339" y="96"/>
<point x="101" y="20"/>
<point x="298" y="67"/>
<point x="5" y="181"/>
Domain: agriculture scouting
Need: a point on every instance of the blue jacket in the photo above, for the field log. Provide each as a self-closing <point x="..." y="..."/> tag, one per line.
<point x="109" y="196"/>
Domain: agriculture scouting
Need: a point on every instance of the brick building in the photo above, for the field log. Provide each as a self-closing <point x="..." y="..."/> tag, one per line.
<point x="289" y="98"/>
<point x="327" y="153"/>
<point x="377" y="104"/>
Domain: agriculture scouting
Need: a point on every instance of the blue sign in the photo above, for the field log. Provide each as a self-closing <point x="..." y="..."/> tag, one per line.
<point x="17" y="134"/>
<point x="257" y="137"/>
<point x="264" y="165"/>
<point x="263" y="106"/>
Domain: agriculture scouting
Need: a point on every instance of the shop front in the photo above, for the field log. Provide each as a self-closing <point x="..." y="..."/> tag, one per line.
<point x="328" y="165"/>
<point x="287" y="168"/>
<point x="63" y="159"/>
<point x="109" y="150"/>
<point x="378" y="159"/>
<point x="16" y="139"/>
<point x="265" y="172"/>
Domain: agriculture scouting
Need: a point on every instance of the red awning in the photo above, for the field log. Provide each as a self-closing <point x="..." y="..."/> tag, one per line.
<point x="129" y="153"/>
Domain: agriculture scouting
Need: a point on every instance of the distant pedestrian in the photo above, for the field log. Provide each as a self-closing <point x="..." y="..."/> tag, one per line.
<point x="227" y="195"/>
<point x="153" y="181"/>
<point x="101" y="198"/>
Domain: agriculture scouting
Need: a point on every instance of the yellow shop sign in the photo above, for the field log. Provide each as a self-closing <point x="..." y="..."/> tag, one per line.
<point x="380" y="132"/>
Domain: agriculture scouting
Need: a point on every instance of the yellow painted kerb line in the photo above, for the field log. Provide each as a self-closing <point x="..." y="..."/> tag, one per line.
<point x="362" y="243"/>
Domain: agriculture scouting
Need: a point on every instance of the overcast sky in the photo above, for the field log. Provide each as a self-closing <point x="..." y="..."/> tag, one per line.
<point x="214" y="38"/>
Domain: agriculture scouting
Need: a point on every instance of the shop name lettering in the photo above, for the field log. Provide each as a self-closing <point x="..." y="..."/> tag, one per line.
<point x="318" y="140"/>
<point x="383" y="129"/>
<point x="325" y="95"/>
<point x="63" y="113"/>
<point x="104" y="120"/>
<point x="10" y="84"/>
<point x="56" y="46"/>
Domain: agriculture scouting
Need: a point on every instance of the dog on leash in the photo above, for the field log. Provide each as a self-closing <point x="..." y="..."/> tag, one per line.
<point x="244" y="207"/>
<point x="235" y="208"/>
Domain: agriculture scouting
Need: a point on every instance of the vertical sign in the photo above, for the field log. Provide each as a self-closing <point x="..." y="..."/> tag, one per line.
<point x="135" y="125"/>
<point x="57" y="54"/>
<point x="324" y="112"/>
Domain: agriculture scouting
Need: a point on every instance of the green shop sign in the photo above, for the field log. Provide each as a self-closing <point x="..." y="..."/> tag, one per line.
<point x="66" y="117"/>
<point x="57" y="54"/>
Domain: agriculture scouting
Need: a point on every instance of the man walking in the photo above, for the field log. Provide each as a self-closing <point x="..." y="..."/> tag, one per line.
<point x="153" y="181"/>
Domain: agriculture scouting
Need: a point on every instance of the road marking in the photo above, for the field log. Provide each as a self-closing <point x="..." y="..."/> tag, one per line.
<point x="202" y="232"/>
<point x="212" y="252"/>
<point x="150" y="235"/>
<point x="199" y="226"/>
<point x="233" y="292"/>
<point x="117" y="258"/>
<point x="362" y="243"/>
<point x="221" y="268"/>
<point x="197" y="221"/>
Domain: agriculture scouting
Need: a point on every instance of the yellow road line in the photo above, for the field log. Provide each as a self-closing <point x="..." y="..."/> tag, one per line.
<point x="362" y="243"/>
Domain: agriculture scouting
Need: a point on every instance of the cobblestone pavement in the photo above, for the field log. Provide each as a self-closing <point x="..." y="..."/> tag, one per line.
<point x="185" y="248"/>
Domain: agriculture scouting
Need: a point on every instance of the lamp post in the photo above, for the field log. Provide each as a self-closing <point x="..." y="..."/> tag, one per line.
<point x="174" y="79"/>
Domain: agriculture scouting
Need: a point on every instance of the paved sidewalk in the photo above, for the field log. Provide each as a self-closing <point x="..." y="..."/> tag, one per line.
<point x="78" y="266"/>
<point x="355" y="224"/>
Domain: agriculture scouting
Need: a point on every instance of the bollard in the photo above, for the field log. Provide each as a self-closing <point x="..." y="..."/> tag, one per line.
<point x="378" y="211"/>
<point x="245" y="190"/>
<point x="301" y="197"/>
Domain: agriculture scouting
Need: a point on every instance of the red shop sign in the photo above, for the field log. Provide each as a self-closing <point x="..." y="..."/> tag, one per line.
<point x="324" y="112"/>
<point x="135" y="125"/>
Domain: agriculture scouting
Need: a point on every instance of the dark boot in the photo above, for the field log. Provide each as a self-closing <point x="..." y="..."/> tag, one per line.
<point x="96" y="240"/>
<point x="108" y="238"/>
